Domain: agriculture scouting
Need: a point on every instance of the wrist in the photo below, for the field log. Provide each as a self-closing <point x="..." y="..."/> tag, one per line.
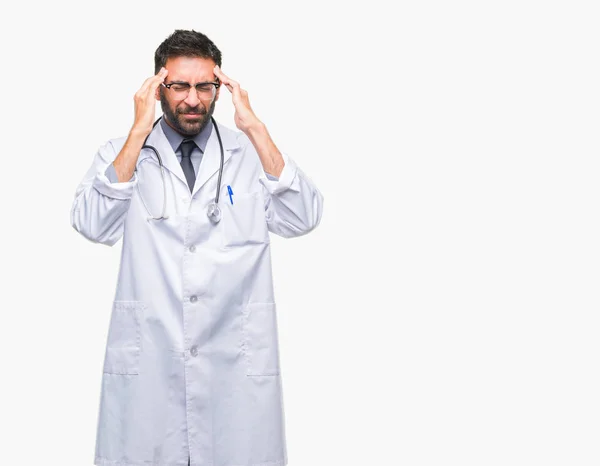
<point x="138" y="134"/>
<point x="256" y="130"/>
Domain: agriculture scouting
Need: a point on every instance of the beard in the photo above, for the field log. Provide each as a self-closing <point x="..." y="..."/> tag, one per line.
<point x="176" y="117"/>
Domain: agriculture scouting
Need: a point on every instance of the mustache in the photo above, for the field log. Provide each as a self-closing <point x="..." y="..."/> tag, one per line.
<point x="193" y="111"/>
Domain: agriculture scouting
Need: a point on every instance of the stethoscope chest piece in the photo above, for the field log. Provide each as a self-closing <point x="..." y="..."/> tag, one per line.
<point x="214" y="212"/>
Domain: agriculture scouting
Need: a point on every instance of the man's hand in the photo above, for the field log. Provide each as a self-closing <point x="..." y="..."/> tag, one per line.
<point x="244" y="117"/>
<point x="145" y="103"/>
<point x="145" y="107"/>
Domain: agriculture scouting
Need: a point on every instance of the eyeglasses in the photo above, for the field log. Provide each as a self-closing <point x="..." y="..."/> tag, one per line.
<point x="205" y="91"/>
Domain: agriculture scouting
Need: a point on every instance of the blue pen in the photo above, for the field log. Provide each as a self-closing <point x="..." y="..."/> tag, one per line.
<point x="230" y="194"/>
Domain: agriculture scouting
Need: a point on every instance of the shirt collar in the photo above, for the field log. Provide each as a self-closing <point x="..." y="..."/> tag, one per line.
<point x="175" y="138"/>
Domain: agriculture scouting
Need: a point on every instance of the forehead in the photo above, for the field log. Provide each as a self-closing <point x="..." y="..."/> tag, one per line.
<point x="191" y="69"/>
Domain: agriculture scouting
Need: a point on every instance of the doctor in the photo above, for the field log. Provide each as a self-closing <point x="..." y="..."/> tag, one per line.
<point x="191" y="371"/>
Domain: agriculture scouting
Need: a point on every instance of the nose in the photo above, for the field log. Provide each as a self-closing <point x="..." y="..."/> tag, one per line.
<point x="192" y="98"/>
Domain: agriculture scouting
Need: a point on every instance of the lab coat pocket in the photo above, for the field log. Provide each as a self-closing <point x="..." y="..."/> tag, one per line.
<point x="260" y="345"/>
<point x="123" y="345"/>
<point x="244" y="221"/>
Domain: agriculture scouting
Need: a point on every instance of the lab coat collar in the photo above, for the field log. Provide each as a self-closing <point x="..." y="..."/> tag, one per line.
<point x="175" y="138"/>
<point x="211" y="159"/>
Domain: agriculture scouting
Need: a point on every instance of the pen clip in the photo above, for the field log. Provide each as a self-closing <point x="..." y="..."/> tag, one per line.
<point x="230" y="191"/>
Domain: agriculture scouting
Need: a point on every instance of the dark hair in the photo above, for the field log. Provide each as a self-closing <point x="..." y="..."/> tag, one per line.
<point x="184" y="43"/>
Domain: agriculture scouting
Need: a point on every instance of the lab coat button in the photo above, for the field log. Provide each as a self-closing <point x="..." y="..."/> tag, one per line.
<point x="192" y="248"/>
<point x="193" y="298"/>
<point x="194" y="351"/>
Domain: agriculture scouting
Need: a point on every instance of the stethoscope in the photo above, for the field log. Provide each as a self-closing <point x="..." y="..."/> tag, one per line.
<point x="213" y="211"/>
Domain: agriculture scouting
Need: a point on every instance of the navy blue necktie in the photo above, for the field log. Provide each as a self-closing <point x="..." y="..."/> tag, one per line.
<point x="187" y="146"/>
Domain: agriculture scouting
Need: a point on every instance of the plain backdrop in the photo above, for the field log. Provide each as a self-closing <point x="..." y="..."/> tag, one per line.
<point x="446" y="309"/>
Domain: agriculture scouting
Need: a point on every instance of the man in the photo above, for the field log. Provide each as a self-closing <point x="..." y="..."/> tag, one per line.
<point x="191" y="370"/>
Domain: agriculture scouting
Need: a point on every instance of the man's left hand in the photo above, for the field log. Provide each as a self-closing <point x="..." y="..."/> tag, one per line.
<point x="244" y="117"/>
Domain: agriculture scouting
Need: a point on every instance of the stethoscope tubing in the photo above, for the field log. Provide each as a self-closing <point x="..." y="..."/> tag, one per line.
<point x="214" y="212"/>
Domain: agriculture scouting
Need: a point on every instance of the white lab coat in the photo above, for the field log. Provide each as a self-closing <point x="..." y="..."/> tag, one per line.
<point x="191" y="367"/>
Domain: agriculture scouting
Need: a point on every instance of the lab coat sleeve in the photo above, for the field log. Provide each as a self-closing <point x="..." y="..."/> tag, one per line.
<point x="100" y="206"/>
<point x="111" y="174"/>
<point x="293" y="203"/>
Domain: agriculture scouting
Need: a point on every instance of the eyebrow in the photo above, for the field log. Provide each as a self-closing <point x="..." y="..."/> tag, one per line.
<point x="199" y="82"/>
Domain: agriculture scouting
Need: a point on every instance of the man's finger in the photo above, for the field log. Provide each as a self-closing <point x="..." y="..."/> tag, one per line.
<point x="153" y="81"/>
<point x="159" y="78"/>
<point x="239" y="94"/>
<point x="145" y="85"/>
<point x="232" y="85"/>
<point x="229" y="83"/>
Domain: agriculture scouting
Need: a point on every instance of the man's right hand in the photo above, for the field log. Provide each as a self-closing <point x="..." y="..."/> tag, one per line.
<point x="145" y="107"/>
<point x="145" y="103"/>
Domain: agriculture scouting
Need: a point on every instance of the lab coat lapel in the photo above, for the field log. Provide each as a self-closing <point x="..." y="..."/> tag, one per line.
<point x="211" y="159"/>
<point x="169" y="159"/>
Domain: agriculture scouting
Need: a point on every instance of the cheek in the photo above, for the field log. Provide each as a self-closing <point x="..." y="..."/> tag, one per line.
<point x="175" y="106"/>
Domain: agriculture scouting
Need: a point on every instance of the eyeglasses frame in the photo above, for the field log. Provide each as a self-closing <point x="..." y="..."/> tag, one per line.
<point x="195" y="86"/>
